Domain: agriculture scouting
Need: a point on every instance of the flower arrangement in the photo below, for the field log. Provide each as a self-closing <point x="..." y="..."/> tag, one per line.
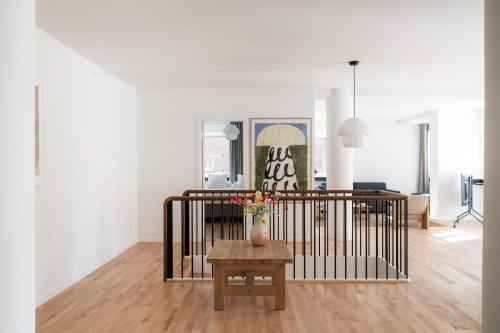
<point x="259" y="204"/>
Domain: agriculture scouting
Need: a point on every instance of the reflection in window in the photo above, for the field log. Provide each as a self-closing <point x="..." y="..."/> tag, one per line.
<point x="216" y="154"/>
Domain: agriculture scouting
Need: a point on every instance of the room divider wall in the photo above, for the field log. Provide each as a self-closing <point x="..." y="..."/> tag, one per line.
<point x="332" y="234"/>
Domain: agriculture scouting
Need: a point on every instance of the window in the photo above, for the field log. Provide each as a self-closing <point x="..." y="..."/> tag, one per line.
<point x="320" y="157"/>
<point x="216" y="154"/>
<point x="221" y="155"/>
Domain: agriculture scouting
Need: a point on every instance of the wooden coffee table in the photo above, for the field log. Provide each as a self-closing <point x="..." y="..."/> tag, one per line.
<point x="241" y="258"/>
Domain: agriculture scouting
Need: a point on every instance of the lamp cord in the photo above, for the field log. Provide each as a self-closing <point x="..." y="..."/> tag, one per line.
<point x="354" y="102"/>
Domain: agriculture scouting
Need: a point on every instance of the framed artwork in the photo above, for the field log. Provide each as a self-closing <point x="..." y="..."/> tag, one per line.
<point x="280" y="153"/>
<point x="38" y="134"/>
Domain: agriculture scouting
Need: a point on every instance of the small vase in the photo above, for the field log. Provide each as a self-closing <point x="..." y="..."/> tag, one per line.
<point x="258" y="232"/>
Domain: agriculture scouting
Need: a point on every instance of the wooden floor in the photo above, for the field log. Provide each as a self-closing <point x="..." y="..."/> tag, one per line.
<point x="128" y="295"/>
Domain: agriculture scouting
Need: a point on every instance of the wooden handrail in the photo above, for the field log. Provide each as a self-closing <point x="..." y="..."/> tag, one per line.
<point x="357" y="195"/>
<point x="286" y="191"/>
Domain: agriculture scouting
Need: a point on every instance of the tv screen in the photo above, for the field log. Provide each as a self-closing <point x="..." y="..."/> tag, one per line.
<point x="466" y="188"/>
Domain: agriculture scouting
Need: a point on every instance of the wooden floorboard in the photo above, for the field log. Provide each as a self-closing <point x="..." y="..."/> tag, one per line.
<point x="128" y="295"/>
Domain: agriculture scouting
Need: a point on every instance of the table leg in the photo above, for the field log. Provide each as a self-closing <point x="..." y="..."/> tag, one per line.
<point x="249" y="278"/>
<point x="219" y="281"/>
<point x="279" y="284"/>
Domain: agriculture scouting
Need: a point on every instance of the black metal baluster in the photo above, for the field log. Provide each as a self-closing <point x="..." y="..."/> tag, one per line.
<point x="185" y="227"/>
<point x="192" y="238"/>
<point x="274" y="225"/>
<point x="212" y="235"/>
<point x="319" y="226"/>
<point x="357" y="212"/>
<point x="382" y="234"/>
<point x="376" y="239"/>
<point x="368" y="222"/>
<point x="235" y="219"/>
<point x="270" y="226"/>
<point x="197" y="203"/>
<point x="353" y="220"/>
<point x="335" y="238"/>
<point x="310" y="227"/>
<point x="397" y="238"/>
<point x="168" y="252"/>
<point x="183" y="236"/>
<point x="388" y="231"/>
<point x="361" y="242"/>
<point x="360" y="229"/>
<point x="304" y="235"/>
<point x="313" y="202"/>
<point x="327" y="222"/>
<point x="401" y="236"/>
<point x="212" y="218"/>
<point x="278" y="217"/>
<point x="294" y="230"/>
<point x="230" y="219"/>
<point x="345" y="237"/>
<point x="406" y="237"/>
<point x="325" y="236"/>
<point x="285" y="219"/>
<point x="387" y="253"/>
<point x="244" y="227"/>
<point x="366" y="239"/>
<point x="203" y="238"/>
<point x="222" y="218"/>
<point x="392" y="233"/>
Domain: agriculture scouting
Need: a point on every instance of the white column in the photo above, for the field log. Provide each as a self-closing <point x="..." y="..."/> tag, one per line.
<point x="491" y="232"/>
<point x="340" y="159"/>
<point x="17" y="281"/>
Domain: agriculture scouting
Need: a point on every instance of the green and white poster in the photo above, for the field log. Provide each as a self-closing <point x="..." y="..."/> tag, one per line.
<point x="281" y="153"/>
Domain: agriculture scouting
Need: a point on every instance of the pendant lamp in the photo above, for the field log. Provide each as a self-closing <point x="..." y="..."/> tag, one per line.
<point x="354" y="131"/>
<point x="231" y="132"/>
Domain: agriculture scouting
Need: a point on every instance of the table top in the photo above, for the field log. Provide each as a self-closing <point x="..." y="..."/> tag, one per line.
<point x="243" y="252"/>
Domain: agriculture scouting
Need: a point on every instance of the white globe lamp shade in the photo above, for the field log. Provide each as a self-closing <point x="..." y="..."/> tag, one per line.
<point x="231" y="132"/>
<point x="354" y="132"/>
<point x="354" y="141"/>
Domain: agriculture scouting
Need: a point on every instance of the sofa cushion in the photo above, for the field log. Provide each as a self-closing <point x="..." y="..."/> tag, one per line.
<point x="369" y="186"/>
<point x="417" y="204"/>
<point x="217" y="180"/>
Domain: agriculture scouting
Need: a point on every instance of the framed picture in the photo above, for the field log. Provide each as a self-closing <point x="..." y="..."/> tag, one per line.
<point x="280" y="153"/>
<point x="39" y="133"/>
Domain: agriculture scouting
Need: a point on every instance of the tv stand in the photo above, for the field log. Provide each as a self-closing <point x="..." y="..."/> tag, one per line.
<point x="467" y="183"/>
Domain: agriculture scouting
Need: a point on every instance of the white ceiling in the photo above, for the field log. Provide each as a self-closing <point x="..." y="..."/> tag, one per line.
<point x="411" y="47"/>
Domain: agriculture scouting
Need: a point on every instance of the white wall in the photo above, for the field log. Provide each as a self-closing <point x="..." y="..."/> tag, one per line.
<point x="17" y="285"/>
<point x="460" y="151"/>
<point x="390" y="155"/>
<point x="86" y="210"/>
<point x="169" y="141"/>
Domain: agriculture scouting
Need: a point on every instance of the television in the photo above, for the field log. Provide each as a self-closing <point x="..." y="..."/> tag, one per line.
<point x="466" y="189"/>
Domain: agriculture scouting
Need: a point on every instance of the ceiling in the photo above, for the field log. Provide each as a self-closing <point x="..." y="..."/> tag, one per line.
<point x="404" y="47"/>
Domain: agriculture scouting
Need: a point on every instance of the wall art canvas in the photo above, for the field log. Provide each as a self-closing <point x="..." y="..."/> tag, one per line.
<point x="39" y="134"/>
<point x="37" y="131"/>
<point x="280" y="153"/>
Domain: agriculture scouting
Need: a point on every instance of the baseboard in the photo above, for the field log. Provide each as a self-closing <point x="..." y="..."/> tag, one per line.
<point x="48" y="296"/>
<point x="150" y="240"/>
